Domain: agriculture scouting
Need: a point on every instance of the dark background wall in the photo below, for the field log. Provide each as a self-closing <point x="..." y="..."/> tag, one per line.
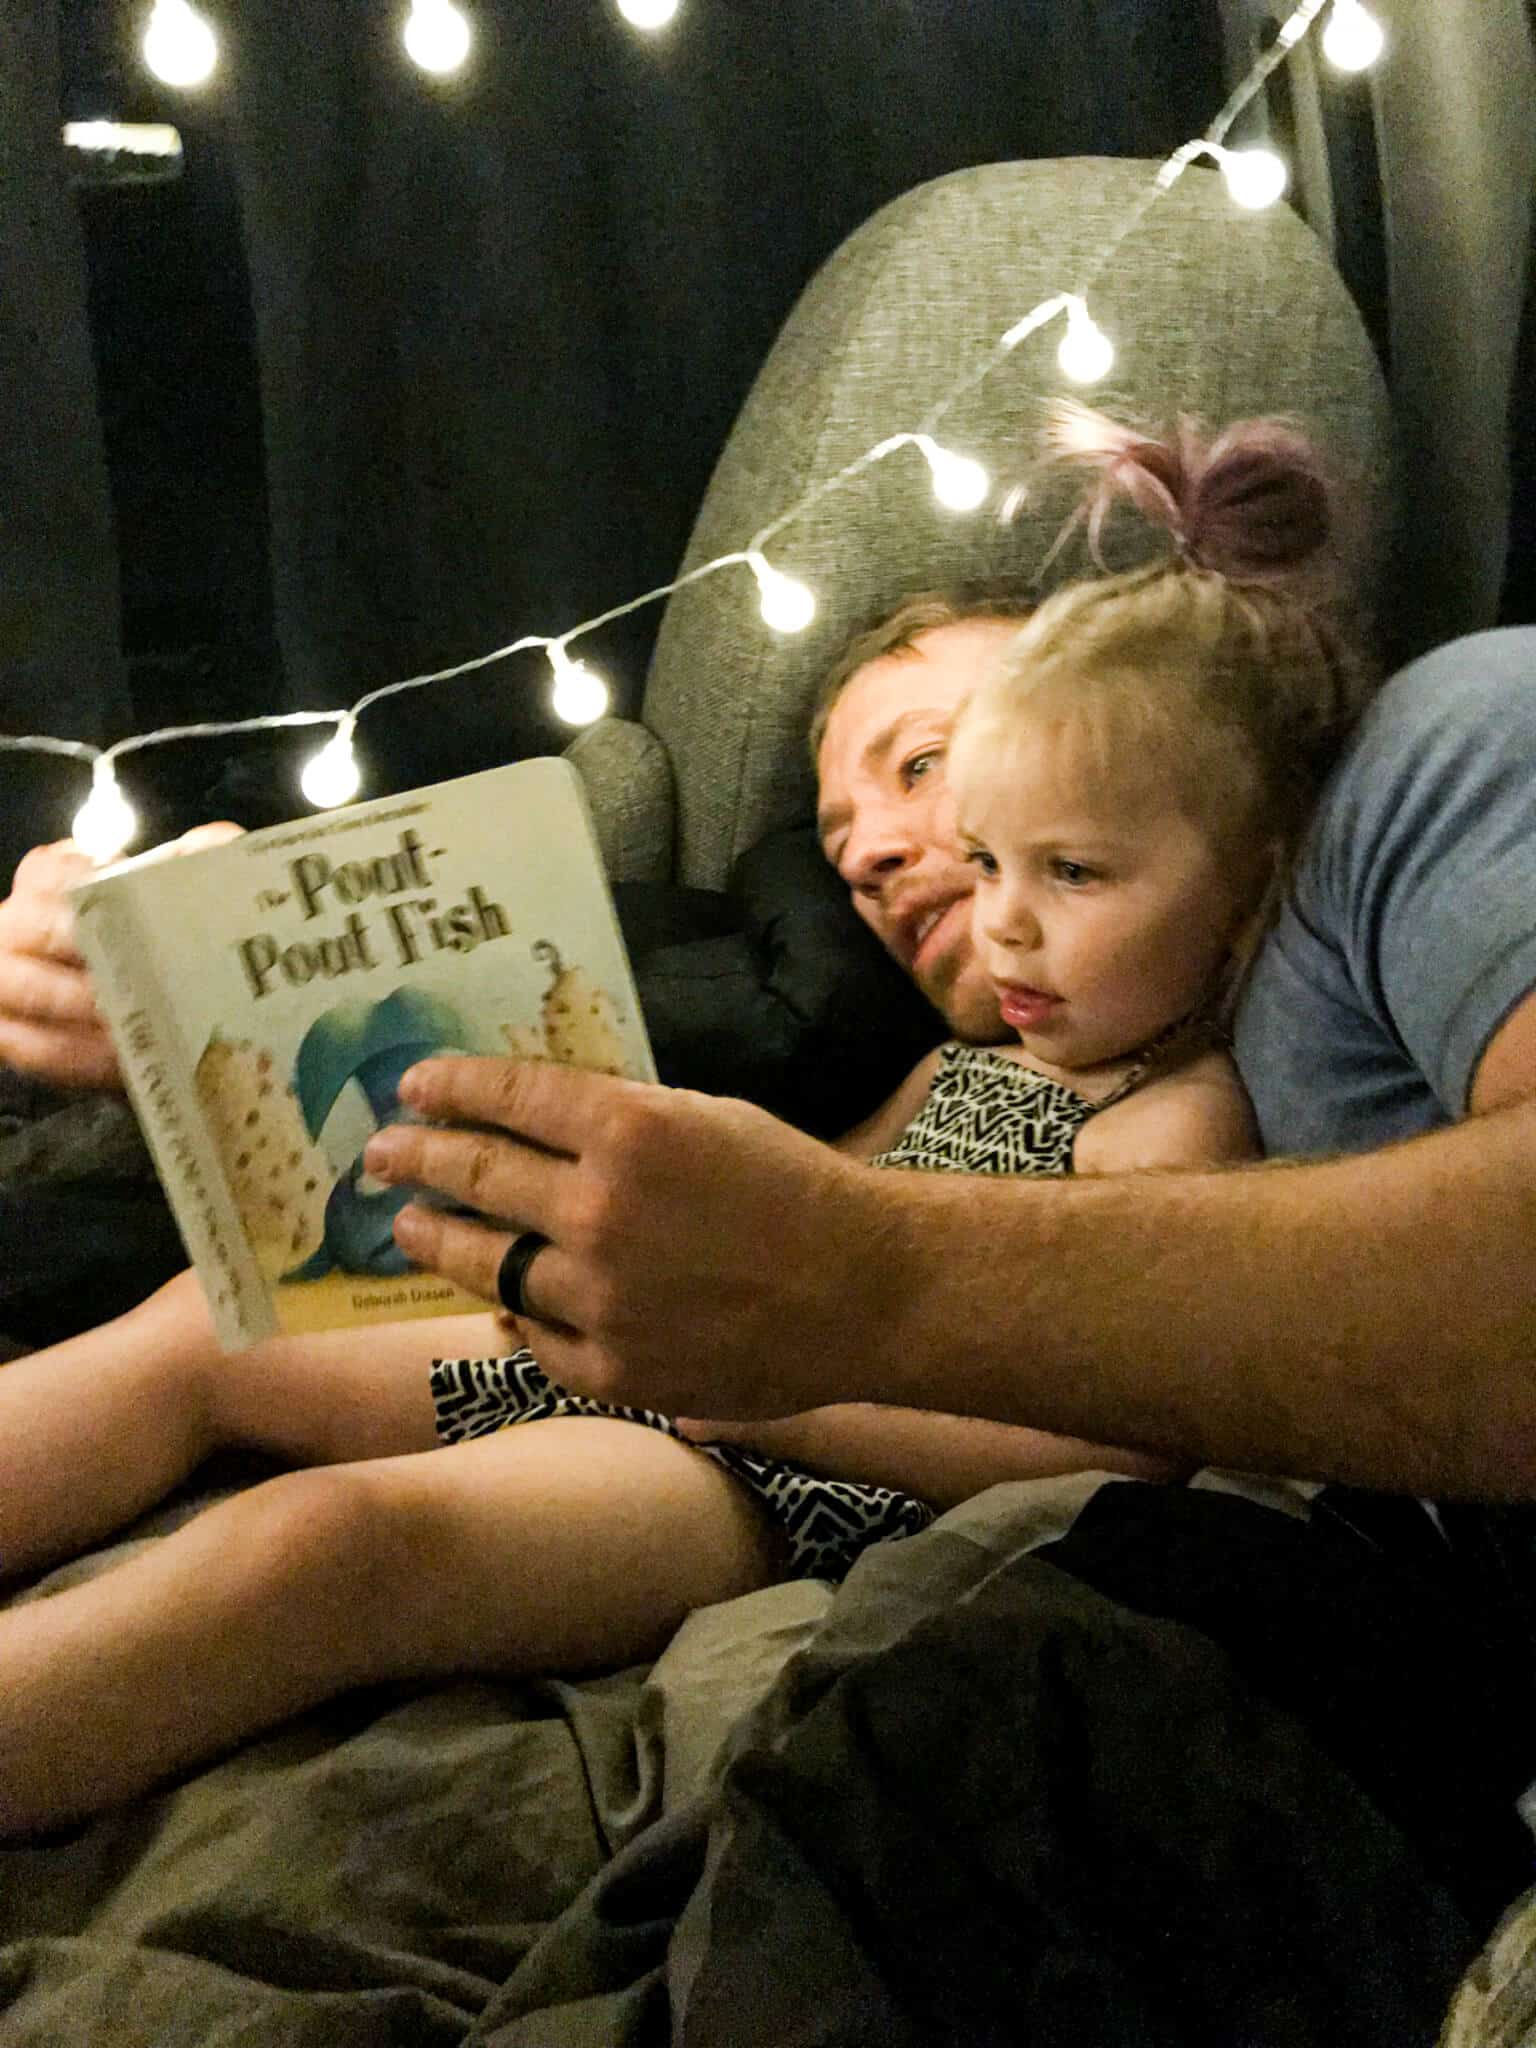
<point x="399" y="369"/>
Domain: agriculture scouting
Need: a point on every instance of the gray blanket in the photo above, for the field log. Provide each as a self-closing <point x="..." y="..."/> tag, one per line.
<point x="746" y="1845"/>
<point x="373" y="1871"/>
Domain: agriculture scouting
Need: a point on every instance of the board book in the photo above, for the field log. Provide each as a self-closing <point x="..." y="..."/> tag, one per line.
<point x="266" y="995"/>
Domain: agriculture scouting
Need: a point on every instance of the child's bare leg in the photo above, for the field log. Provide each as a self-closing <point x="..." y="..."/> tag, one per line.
<point x="564" y="1545"/>
<point x="94" y="1430"/>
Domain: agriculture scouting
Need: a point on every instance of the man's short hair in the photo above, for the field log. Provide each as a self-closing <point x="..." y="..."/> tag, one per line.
<point x="897" y="630"/>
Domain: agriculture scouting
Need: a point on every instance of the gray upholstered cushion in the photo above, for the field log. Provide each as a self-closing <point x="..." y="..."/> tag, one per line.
<point x="1214" y="311"/>
<point x="629" y="786"/>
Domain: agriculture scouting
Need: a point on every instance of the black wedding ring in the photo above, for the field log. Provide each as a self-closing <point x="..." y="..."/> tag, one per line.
<point x="512" y="1274"/>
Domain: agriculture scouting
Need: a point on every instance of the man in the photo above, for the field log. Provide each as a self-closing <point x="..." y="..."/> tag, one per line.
<point x="1405" y="1272"/>
<point x="1366" y="1319"/>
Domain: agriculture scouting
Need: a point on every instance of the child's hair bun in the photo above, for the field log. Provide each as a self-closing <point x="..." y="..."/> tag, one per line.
<point x="1255" y="504"/>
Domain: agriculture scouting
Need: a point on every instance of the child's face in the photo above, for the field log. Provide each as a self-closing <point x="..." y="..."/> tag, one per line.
<point x="1100" y="920"/>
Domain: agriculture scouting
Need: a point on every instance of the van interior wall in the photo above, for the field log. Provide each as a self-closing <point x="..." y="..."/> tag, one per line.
<point x="1457" y="118"/>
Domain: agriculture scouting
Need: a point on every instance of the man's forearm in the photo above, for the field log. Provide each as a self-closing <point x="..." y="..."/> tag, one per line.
<point x="1370" y="1319"/>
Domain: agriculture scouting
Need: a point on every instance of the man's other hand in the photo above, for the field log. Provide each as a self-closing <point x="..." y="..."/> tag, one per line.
<point x="50" y="1028"/>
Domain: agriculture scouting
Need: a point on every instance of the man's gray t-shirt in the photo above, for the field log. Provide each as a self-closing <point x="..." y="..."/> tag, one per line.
<point x="1410" y="931"/>
<point x="1408" y="938"/>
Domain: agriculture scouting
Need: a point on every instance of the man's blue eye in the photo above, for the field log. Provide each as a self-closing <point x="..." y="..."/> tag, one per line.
<point x="920" y="764"/>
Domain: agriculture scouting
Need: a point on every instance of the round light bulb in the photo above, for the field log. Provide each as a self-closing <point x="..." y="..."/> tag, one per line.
<point x="1255" y="177"/>
<point x="436" y="36"/>
<point x="1353" y="39"/>
<point x="648" y="14"/>
<point x="580" y="694"/>
<point x="179" y="47"/>
<point x="958" y="483"/>
<point x="106" y="822"/>
<point x="1086" y="353"/>
<point x="332" y="776"/>
<point x="786" y="606"/>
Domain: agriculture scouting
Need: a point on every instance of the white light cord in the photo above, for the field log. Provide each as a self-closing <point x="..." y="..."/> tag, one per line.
<point x="39" y="743"/>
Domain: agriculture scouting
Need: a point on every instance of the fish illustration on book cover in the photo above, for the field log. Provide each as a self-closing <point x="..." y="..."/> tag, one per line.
<point x="305" y="1220"/>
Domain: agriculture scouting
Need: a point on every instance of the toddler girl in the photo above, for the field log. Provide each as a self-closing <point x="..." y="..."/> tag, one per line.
<point x="1129" y="786"/>
<point x="1128" y="789"/>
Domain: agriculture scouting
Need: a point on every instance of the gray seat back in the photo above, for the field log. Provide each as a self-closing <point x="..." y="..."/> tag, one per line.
<point x="1213" y="311"/>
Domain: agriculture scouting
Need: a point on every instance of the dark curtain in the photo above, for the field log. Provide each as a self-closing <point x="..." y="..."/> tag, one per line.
<point x="505" y="322"/>
<point x="1520" y="566"/>
<point x="402" y="368"/>
<point x="1519" y="601"/>
<point x="60" y="663"/>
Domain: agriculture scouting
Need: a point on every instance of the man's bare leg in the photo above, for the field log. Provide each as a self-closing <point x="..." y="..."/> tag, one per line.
<point x="564" y="1545"/>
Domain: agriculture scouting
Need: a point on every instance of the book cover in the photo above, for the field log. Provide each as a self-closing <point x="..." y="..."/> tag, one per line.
<point x="266" y="995"/>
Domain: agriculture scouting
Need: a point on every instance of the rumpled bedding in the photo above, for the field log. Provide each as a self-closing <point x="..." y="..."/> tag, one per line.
<point x="1023" y="1777"/>
<point x="373" y="1871"/>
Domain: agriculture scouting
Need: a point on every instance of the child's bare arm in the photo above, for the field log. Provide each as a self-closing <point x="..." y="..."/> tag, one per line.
<point x="1198" y="1116"/>
<point x="944" y="1459"/>
<point x="881" y="1130"/>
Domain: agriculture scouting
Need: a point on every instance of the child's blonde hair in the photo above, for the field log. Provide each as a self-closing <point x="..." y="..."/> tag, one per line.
<point x="1217" y="670"/>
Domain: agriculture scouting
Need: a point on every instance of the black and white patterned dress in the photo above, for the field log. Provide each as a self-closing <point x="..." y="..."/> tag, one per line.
<point x="985" y="1113"/>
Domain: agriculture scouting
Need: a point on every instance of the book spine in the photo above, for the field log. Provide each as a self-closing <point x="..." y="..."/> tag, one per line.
<point x="160" y="1085"/>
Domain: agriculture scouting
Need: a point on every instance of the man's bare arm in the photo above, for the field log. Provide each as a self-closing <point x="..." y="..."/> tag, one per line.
<point x="1370" y="1319"/>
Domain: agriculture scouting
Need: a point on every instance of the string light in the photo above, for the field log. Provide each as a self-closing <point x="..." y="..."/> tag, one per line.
<point x="959" y="483"/>
<point x="648" y="14"/>
<point x="332" y="776"/>
<point x="1255" y="177"/>
<point x="786" y="606"/>
<point x="106" y="822"/>
<point x="580" y="694"/>
<point x="179" y="47"/>
<point x="1086" y="355"/>
<point x="1353" y="39"/>
<point x="437" y="36"/>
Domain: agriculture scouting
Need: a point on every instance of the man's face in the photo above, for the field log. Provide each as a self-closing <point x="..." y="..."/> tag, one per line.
<point x="887" y="822"/>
